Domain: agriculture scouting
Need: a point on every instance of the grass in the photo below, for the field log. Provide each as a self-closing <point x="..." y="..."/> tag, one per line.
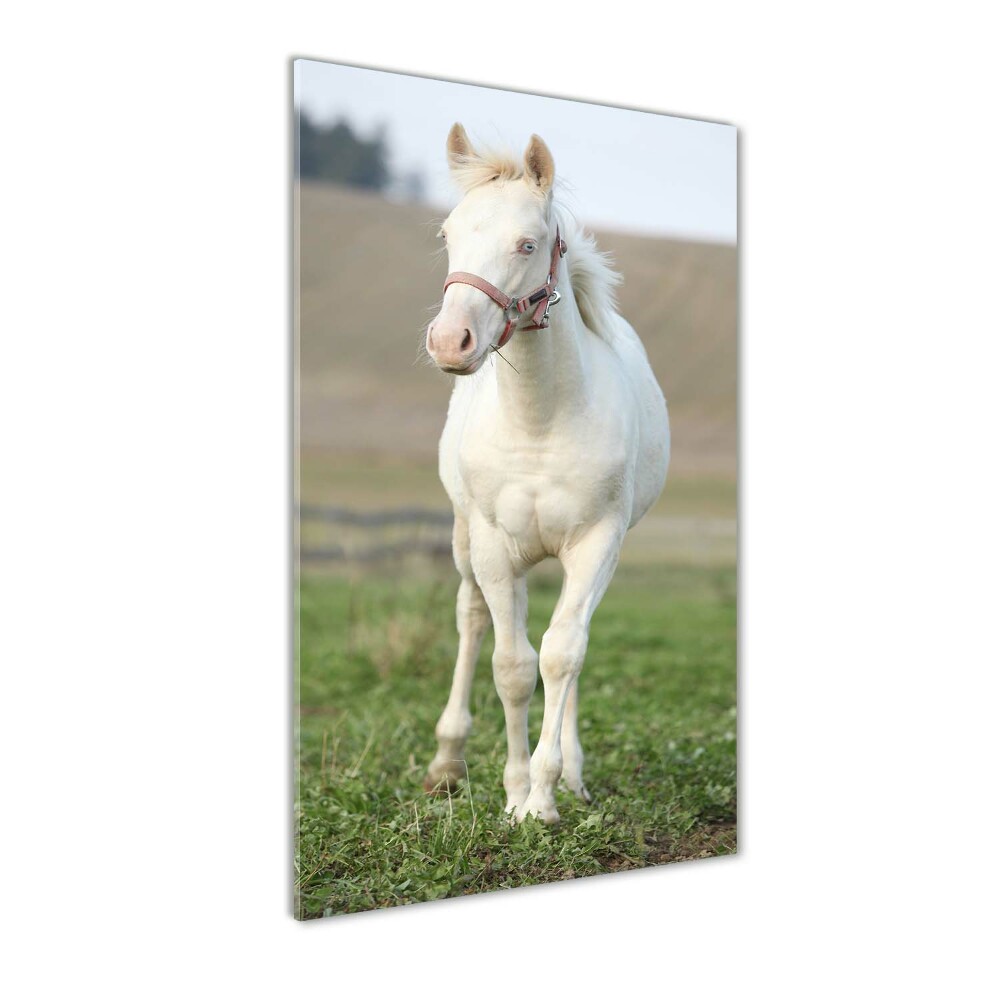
<point x="658" y="725"/>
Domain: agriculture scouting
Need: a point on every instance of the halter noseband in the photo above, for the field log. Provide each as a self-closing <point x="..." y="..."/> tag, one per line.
<point x="542" y="298"/>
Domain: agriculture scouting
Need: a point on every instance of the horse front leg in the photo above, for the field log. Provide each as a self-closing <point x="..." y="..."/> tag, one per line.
<point x="515" y="662"/>
<point x="589" y="565"/>
<point x="472" y="618"/>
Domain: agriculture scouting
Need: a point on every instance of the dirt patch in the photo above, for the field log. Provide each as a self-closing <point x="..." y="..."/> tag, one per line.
<point x="704" y="842"/>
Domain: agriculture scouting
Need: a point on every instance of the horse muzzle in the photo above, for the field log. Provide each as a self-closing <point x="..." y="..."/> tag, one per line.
<point x="455" y="349"/>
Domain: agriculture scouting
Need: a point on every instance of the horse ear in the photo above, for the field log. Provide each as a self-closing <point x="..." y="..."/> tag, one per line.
<point x="538" y="164"/>
<point x="460" y="150"/>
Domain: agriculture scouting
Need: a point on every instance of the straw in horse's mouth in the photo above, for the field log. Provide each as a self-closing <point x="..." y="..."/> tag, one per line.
<point x="461" y="371"/>
<point x="497" y="352"/>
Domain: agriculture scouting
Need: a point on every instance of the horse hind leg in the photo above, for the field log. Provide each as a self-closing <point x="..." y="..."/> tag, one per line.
<point x="572" y="752"/>
<point x="569" y="737"/>
<point x="472" y="619"/>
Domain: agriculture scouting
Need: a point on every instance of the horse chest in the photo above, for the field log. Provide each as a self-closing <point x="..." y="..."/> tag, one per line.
<point x="539" y="499"/>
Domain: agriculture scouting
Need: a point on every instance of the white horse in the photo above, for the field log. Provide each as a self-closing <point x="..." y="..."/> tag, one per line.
<point x="556" y="449"/>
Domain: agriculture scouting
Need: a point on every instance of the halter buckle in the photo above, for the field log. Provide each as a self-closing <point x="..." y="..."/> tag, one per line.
<point x="553" y="299"/>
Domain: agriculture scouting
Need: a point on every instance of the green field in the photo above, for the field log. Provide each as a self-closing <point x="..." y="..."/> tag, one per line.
<point x="376" y="650"/>
<point x="657" y="719"/>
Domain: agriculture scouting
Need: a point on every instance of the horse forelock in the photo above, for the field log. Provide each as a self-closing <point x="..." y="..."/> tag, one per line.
<point x="483" y="166"/>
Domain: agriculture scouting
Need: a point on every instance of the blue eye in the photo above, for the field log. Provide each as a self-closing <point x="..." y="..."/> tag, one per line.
<point x="527" y="246"/>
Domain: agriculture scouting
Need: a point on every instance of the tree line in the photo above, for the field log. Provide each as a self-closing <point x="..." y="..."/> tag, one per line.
<point x="337" y="153"/>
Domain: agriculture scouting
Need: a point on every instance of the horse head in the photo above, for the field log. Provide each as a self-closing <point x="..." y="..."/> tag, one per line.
<point x="500" y="252"/>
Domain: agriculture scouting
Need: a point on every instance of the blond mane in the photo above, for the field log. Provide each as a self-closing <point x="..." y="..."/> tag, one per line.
<point x="593" y="277"/>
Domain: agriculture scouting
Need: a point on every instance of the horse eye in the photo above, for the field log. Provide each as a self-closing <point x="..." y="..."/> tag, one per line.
<point x="527" y="246"/>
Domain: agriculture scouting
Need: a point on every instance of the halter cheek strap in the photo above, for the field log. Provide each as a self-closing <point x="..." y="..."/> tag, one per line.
<point x="542" y="298"/>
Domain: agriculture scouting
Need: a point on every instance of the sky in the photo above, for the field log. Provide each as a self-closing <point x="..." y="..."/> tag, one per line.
<point x="623" y="170"/>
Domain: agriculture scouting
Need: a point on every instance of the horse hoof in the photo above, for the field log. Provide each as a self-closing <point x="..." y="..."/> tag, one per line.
<point x="580" y="791"/>
<point x="445" y="785"/>
<point x="544" y="812"/>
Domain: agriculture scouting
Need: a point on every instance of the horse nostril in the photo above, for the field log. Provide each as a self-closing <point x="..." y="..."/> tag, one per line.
<point x="467" y="340"/>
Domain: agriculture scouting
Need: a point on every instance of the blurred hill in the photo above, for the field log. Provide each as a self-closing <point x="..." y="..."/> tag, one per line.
<point x="370" y="280"/>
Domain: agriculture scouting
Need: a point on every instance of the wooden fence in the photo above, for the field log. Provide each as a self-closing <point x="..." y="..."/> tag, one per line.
<point x="338" y="534"/>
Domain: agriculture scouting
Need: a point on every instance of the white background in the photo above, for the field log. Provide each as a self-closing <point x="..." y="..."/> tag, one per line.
<point x="145" y="406"/>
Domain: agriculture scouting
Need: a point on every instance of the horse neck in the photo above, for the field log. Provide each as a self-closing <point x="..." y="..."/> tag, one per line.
<point x="546" y="376"/>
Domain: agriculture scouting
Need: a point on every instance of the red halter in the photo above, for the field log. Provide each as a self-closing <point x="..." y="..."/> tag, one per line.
<point x="542" y="298"/>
